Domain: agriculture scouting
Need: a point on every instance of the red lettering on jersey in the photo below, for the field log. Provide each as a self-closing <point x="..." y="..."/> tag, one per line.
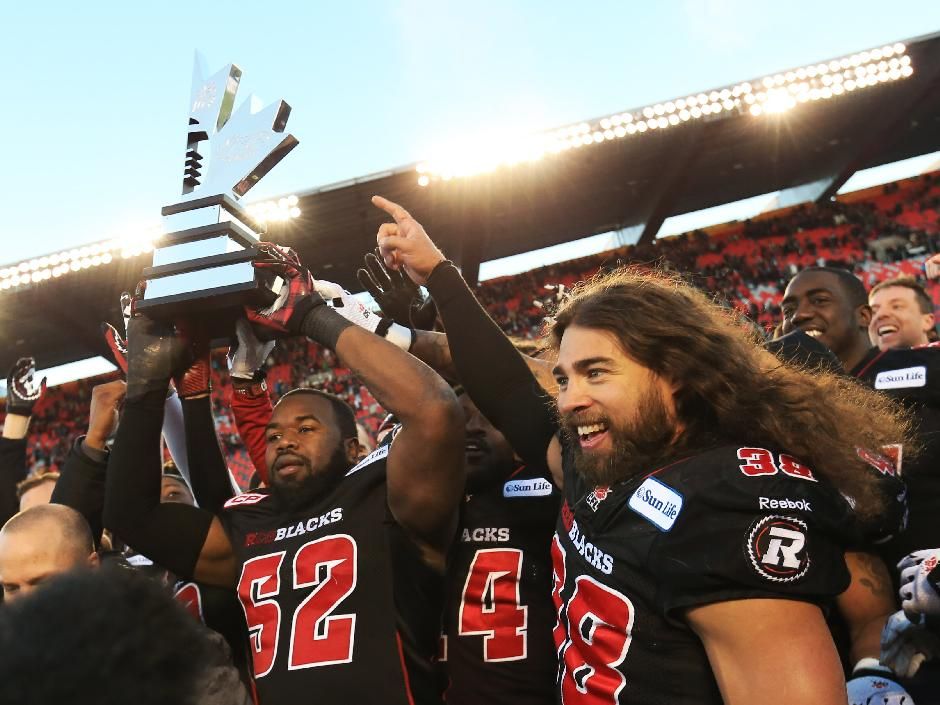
<point x="261" y="578"/>
<point x="490" y="604"/>
<point x="558" y="583"/>
<point x="794" y="468"/>
<point x="877" y="461"/>
<point x="567" y="516"/>
<point x="760" y="461"/>
<point x="190" y="597"/>
<point x="600" y="630"/>
<point x="317" y="636"/>
<point x="246" y="498"/>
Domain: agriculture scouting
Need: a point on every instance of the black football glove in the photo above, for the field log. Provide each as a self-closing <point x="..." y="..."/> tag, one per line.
<point x="399" y="298"/>
<point x="22" y="389"/>
<point x="154" y="354"/>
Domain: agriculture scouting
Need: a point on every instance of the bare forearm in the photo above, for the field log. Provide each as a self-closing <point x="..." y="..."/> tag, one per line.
<point x="15" y="426"/>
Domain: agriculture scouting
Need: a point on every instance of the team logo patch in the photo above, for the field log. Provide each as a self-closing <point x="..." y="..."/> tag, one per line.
<point x="777" y="548"/>
<point x="527" y="488"/>
<point x="597" y="496"/>
<point x="902" y="379"/>
<point x="657" y="502"/>
<point x="245" y="498"/>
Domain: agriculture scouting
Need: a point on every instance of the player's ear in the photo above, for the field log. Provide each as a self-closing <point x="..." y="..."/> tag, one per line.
<point x="353" y="449"/>
<point x="929" y="321"/>
<point x="93" y="560"/>
<point x="863" y="316"/>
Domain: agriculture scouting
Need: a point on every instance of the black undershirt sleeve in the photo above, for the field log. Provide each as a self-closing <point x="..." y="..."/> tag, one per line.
<point x="491" y="370"/>
<point x="208" y="472"/>
<point x="171" y="535"/>
<point x="81" y="485"/>
<point x="12" y="472"/>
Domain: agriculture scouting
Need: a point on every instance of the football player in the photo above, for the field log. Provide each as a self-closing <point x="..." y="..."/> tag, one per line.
<point x="831" y="305"/>
<point x="901" y="314"/>
<point x="338" y="565"/>
<point x="700" y="534"/>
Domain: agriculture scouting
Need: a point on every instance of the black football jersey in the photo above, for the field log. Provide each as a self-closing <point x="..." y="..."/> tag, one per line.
<point x="499" y="616"/>
<point x="912" y="377"/>
<point x="730" y="523"/>
<point x="339" y="604"/>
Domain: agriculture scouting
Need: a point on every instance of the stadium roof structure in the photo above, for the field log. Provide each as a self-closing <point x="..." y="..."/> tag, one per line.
<point x="805" y="130"/>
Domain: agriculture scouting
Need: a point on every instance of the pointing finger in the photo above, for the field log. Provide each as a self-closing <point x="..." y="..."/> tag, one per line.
<point x="392" y="208"/>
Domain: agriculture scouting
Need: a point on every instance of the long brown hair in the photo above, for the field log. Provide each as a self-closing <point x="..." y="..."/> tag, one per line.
<point x="728" y="389"/>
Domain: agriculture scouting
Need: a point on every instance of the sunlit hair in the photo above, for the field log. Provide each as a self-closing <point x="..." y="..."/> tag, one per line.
<point x="729" y="389"/>
<point x="924" y="302"/>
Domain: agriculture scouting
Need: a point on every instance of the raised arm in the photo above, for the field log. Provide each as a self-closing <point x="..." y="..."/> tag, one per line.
<point x="494" y="374"/>
<point x="23" y="391"/>
<point x="208" y="471"/>
<point x="251" y="403"/>
<point x="81" y="483"/>
<point x="425" y="464"/>
<point x="188" y="541"/>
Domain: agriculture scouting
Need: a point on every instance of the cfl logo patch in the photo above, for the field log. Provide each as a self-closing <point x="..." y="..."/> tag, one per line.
<point x="777" y="548"/>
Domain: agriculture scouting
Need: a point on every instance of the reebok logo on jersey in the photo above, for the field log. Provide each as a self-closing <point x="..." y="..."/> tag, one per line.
<point x="798" y="504"/>
<point x="377" y="454"/>
<point x="657" y="502"/>
<point x="527" y="488"/>
<point x="902" y="379"/>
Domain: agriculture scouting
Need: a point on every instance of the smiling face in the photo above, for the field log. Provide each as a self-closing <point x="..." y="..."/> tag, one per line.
<point x="306" y="452"/>
<point x="618" y="413"/>
<point x="818" y="304"/>
<point x="897" y="319"/>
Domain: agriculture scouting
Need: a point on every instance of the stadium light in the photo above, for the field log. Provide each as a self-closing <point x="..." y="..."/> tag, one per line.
<point x="278" y="211"/>
<point x="767" y="96"/>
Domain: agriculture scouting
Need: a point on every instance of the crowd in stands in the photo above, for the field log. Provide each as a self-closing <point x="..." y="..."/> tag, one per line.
<point x="879" y="233"/>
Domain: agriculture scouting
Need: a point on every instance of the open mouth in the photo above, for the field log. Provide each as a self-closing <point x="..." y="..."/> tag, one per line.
<point x="813" y="332"/>
<point x="475" y="446"/>
<point x="887" y="329"/>
<point x="591" y="435"/>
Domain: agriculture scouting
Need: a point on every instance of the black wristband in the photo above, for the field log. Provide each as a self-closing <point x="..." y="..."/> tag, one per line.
<point x="323" y="325"/>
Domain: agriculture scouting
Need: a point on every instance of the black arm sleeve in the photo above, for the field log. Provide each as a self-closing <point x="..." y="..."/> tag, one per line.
<point x="208" y="472"/>
<point x="81" y="486"/>
<point x="12" y="471"/>
<point x="171" y="535"/>
<point x="491" y="370"/>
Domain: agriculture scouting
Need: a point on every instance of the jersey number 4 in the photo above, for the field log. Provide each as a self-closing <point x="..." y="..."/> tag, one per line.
<point x="490" y="605"/>
<point x="592" y="635"/>
<point x="317" y="637"/>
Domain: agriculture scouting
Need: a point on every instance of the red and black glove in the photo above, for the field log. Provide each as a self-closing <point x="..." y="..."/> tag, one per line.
<point x="194" y="381"/>
<point x="116" y="343"/>
<point x="296" y="298"/>
<point x="23" y="391"/>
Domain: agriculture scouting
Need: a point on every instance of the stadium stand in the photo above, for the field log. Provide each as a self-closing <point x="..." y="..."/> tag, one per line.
<point x="881" y="232"/>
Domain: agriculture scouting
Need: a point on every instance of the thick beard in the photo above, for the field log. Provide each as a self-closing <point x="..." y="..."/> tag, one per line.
<point x="639" y="447"/>
<point x="292" y="495"/>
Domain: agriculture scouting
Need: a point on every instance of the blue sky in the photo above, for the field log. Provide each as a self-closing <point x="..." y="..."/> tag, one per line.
<point x="96" y="93"/>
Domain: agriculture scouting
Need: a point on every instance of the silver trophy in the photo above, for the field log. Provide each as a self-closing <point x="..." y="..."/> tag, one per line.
<point x="202" y="266"/>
